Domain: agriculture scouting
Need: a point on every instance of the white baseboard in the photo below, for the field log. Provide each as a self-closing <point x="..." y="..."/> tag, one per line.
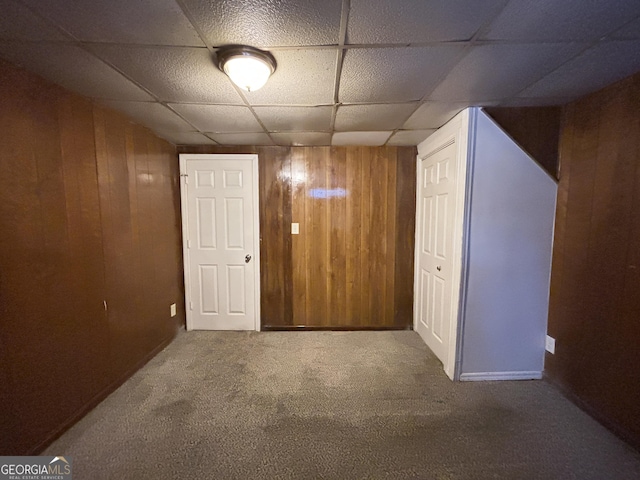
<point x="483" y="376"/>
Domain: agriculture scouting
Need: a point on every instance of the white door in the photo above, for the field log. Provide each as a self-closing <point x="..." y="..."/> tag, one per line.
<point x="220" y="239"/>
<point x="440" y="198"/>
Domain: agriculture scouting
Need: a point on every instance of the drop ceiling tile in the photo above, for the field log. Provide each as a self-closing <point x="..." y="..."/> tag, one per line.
<point x="433" y="115"/>
<point x="185" y="138"/>
<point x="302" y="77"/>
<point x="153" y="115"/>
<point x="295" y="118"/>
<point x="536" y="102"/>
<point x="594" y="69"/>
<point x="393" y="74"/>
<point x="268" y="23"/>
<point x="413" y="21"/>
<point x="241" y="138"/>
<point x="73" y="68"/>
<point x="219" y="118"/>
<point x="630" y="31"/>
<point x="373" y="117"/>
<point x="18" y="23"/>
<point x="302" y="138"/>
<point x="150" y="22"/>
<point x="568" y="20"/>
<point x="498" y="71"/>
<point x="409" y="138"/>
<point x="373" y="139"/>
<point x="173" y="74"/>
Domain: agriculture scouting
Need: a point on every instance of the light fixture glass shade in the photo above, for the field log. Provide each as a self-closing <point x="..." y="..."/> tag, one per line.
<point x="247" y="67"/>
<point x="248" y="73"/>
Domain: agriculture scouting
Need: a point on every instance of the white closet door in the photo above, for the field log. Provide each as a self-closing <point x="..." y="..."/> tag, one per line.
<point x="219" y="226"/>
<point x="440" y="204"/>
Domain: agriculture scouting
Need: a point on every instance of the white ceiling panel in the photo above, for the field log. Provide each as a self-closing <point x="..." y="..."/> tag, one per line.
<point x="295" y="118"/>
<point x="373" y="139"/>
<point x="408" y="67"/>
<point x="535" y="102"/>
<point x="186" y="138"/>
<point x="149" y="22"/>
<point x="302" y="138"/>
<point x="373" y="117"/>
<point x="596" y="68"/>
<point x="433" y="115"/>
<point x="219" y="118"/>
<point x="173" y="74"/>
<point x="241" y="138"/>
<point x="153" y="115"/>
<point x="18" y="23"/>
<point x="393" y="74"/>
<point x="73" y="68"/>
<point x="566" y="20"/>
<point x="498" y="71"/>
<point x="414" y="21"/>
<point x="630" y="31"/>
<point x="302" y="77"/>
<point x="409" y="138"/>
<point x="268" y="23"/>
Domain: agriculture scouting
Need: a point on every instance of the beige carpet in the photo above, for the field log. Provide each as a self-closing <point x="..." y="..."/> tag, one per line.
<point x="332" y="405"/>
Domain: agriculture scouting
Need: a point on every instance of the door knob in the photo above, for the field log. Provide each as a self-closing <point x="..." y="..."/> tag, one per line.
<point x="247" y="258"/>
<point x="438" y="268"/>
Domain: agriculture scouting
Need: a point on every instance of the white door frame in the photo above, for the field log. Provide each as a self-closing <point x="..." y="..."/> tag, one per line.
<point x="455" y="131"/>
<point x="184" y="185"/>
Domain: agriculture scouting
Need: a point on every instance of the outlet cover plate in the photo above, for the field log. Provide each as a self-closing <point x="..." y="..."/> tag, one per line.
<point x="174" y="311"/>
<point x="295" y="228"/>
<point x="550" y="344"/>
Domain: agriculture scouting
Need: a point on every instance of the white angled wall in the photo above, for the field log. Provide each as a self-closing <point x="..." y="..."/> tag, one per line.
<point x="512" y="210"/>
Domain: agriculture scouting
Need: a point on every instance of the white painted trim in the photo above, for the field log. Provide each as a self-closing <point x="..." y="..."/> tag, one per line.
<point x="455" y="131"/>
<point x="483" y="376"/>
<point x="183" y="158"/>
<point x="185" y="230"/>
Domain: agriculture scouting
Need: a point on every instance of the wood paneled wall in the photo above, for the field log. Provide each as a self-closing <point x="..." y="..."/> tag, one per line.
<point x="595" y="286"/>
<point x="89" y="213"/>
<point x="535" y="129"/>
<point x="351" y="266"/>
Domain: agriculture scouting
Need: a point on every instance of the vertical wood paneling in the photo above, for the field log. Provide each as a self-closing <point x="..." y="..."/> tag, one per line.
<point x="404" y="236"/>
<point x="390" y="250"/>
<point x="315" y="232"/>
<point x="594" y="306"/>
<point x="68" y="221"/>
<point x="535" y="129"/>
<point x="337" y="262"/>
<point x="367" y="282"/>
<point x="351" y="266"/>
<point x="354" y="313"/>
<point x="377" y="235"/>
<point x="86" y="245"/>
<point x="298" y="242"/>
<point x="275" y="191"/>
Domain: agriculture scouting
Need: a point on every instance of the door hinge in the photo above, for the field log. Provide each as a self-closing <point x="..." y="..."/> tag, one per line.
<point x="190" y="305"/>
<point x="188" y="243"/>
<point x="186" y="178"/>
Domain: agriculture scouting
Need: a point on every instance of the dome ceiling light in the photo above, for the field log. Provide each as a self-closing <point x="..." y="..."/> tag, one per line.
<point x="247" y="67"/>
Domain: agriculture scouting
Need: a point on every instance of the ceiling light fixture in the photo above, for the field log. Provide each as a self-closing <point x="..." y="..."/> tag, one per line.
<point x="247" y="67"/>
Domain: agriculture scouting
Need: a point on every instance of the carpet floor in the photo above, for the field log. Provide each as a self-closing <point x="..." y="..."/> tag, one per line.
<point x="332" y="405"/>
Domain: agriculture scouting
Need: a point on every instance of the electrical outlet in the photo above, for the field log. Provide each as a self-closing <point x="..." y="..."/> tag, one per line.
<point x="550" y="344"/>
<point x="295" y="228"/>
<point x="174" y="311"/>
